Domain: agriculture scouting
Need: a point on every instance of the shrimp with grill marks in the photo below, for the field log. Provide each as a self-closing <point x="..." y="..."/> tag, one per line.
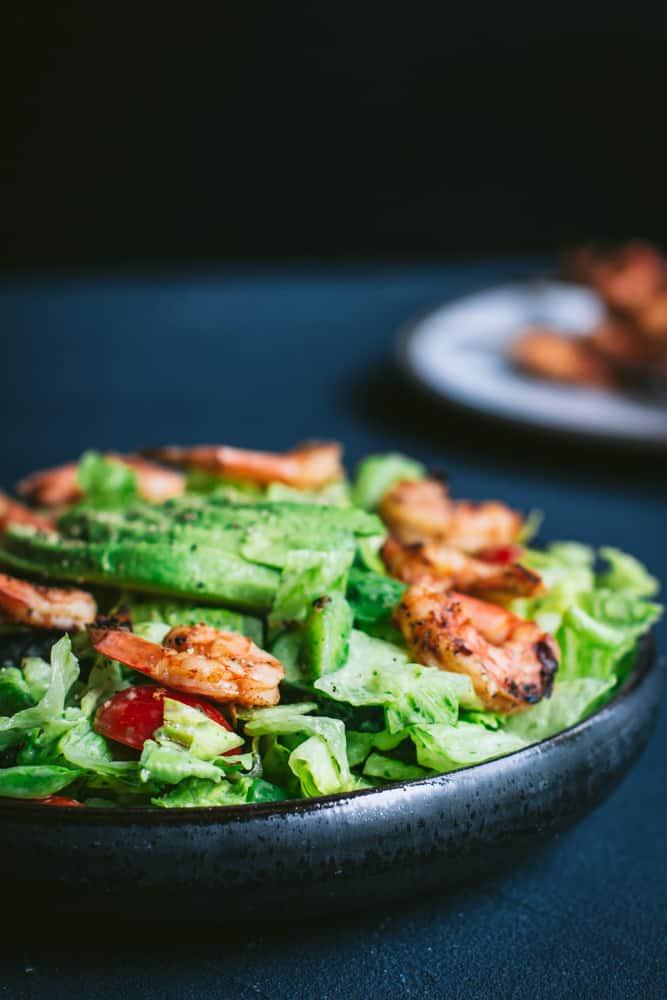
<point x="199" y="659"/>
<point x="13" y="512"/>
<point x="308" y="466"/>
<point x="511" y="662"/>
<point x="422" y="510"/>
<point x="59" y="487"/>
<point x="32" y="604"/>
<point x="447" y="567"/>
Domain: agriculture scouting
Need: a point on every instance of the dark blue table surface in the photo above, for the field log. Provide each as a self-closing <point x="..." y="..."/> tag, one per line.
<point x="264" y="359"/>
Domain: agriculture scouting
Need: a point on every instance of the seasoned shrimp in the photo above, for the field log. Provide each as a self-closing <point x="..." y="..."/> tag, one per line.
<point x="45" y="607"/>
<point x="447" y="567"/>
<point x="59" y="487"/>
<point x="416" y="511"/>
<point x="651" y="319"/>
<point x="199" y="659"/>
<point x="511" y="662"/>
<point x="554" y="355"/>
<point x="308" y="466"/>
<point x="13" y="512"/>
<point x="626" y="277"/>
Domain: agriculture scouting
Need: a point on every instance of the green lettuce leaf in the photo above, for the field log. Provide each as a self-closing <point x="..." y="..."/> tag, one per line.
<point x="192" y="793"/>
<point x="626" y="574"/>
<point x="376" y="474"/>
<point x="105" y="483"/>
<point x="377" y="673"/>
<point x="306" y="576"/>
<point x="448" y="748"/>
<point x="15" y="694"/>
<point x="322" y="767"/>
<point x="64" y="670"/>
<point x="335" y="494"/>
<point x="34" y="782"/>
<point x="37" y="674"/>
<point x="373" y="596"/>
<point x="83" y="748"/>
<point x="379" y="765"/>
<point x="359" y="745"/>
<point x="570" y="701"/>
<point x="313" y="764"/>
<point x="105" y="678"/>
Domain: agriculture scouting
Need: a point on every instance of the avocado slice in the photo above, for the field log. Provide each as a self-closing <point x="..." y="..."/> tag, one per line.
<point x="183" y="569"/>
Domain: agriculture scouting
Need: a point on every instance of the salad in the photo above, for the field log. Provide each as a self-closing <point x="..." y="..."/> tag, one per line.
<point x="209" y="626"/>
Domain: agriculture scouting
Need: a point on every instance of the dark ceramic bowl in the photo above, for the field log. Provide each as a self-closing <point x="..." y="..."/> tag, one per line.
<point x="279" y="860"/>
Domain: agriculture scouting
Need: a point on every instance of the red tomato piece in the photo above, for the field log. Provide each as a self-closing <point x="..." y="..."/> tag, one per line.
<point x="131" y="716"/>
<point x="59" y="800"/>
<point x="502" y="555"/>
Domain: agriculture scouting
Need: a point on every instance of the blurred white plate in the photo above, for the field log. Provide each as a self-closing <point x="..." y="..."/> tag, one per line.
<point x="459" y="352"/>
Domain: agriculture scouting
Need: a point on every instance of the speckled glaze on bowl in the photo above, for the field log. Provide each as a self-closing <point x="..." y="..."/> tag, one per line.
<point x="288" y="859"/>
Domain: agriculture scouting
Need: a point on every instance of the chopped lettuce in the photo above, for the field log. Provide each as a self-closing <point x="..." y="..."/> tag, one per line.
<point x="34" y="781"/>
<point x="313" y="764"/>
<point x="570" y="702"/>
<point x="106" y="483"/>
<point x="322" y="767"/>
<point x="376" y="474"/>
<point x="377" y="673"/>
<point x="378" y="765"/>
<point x="336" y="494"/>
<point x="447" y="748"/>
<point x="105" y="678"/>
<point x="64" y="670"/>
<point x="193" y="793"/>
<point x="373" y="596"/>
<point x="306" y="576"/>
<point x="15" y="693"/>
<point x="626" y="574"/>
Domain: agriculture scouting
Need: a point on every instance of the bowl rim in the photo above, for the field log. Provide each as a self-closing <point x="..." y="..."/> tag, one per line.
<point x="646" y="662"/>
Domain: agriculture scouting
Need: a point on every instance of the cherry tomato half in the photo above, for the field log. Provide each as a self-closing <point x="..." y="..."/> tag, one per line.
<point x="502" y="555"/>
<point x="131" y="716"/>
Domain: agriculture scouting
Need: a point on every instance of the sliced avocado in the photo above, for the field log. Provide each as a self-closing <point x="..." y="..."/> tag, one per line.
<point x="326" y="636"/>
<point x="185" y="570"/>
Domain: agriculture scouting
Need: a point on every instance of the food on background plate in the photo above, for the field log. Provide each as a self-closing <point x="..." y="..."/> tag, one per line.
<point x="628" y="348"/>
<point x="262" y="628"/>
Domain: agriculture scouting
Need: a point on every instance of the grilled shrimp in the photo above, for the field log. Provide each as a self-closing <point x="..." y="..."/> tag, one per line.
<point x="45" y="607"/>
<point x="13" y="512"/>
<point x="626" y="277"/>
<point x="308" y="466"/>
<point x="199" y="659"/>
<point x="554" y="355"/>
<point x="511" y="662"/>
<point x="447" y="567"/>
<point x="416" y="511"/>
<point x="59" y="487"/>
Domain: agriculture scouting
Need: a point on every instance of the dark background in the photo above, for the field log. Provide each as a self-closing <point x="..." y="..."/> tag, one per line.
<point x="199" y="133"/>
